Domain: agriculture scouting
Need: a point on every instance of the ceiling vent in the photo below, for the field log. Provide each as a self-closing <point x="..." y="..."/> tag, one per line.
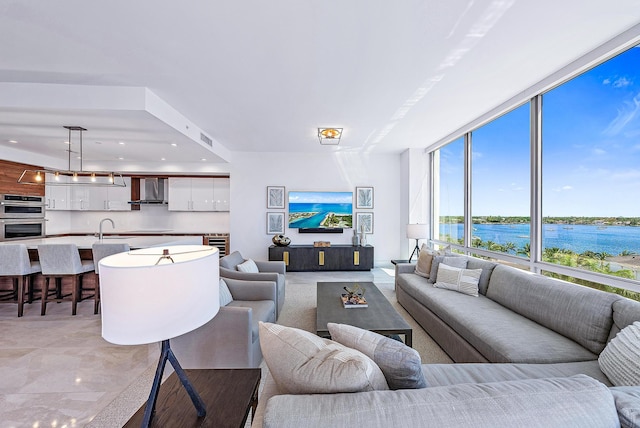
<point x="208" y="141"/>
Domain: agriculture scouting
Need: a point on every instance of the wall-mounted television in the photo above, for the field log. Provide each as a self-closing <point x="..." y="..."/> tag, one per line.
<point x="320" y="210"/>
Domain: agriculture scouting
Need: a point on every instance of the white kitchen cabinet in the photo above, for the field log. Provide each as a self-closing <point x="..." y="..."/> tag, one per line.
<point x="56" y="197"/>
<point x="198" y="194"/>
<point x="101" y="198"/>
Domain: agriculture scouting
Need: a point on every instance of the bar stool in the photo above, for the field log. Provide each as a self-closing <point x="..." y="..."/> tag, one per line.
<point x="15" y="264"/>
<point x="60" y="261"/>
<point x="101" y="250"/>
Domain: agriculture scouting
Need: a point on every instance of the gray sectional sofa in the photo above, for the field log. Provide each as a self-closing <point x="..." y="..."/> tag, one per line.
<point x="531" y="345"/>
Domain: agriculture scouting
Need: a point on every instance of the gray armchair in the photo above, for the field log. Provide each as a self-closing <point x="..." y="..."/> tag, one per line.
<point x="268" y="271"/>
<point x="230" y="339"/>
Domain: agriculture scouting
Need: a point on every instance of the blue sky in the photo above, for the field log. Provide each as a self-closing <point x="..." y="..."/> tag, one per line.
<point x="591" y="150"/>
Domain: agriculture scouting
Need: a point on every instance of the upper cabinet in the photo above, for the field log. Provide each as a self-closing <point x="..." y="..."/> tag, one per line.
<point x="198" y="194"/>
<point x="89" y="198"/>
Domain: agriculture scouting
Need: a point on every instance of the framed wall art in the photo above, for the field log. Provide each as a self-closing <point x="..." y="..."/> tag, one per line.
<point x="364" y="222"/>
<point x="275" y="223"/>
<point x="275" y="197"/>
<point x="364" y="197"/>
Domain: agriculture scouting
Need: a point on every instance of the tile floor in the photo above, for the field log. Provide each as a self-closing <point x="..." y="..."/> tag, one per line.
<point x="57" y="371"/>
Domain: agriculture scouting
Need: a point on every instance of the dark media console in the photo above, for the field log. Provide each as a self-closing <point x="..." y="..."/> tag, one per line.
<point x="299" y="258"/>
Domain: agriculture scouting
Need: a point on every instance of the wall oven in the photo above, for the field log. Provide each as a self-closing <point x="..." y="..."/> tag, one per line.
<point x="20" y="206"/>
<point x="21" y="228"/>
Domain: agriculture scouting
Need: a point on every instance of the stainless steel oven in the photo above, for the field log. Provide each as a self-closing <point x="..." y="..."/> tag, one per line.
<point x="21" y="228"/>
<point x="20" y="206"/>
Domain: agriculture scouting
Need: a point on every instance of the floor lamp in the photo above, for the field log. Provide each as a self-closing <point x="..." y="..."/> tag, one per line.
<point x="155" y="294"/>
<point x="417" y="232"/>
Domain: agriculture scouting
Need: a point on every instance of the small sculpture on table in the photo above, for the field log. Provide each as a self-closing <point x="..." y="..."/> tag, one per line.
<point x="281" y="240"/>
<point x="354" y="297"/>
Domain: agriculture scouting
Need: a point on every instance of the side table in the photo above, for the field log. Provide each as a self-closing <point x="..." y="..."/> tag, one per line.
<point x="396" y="261"/>
<point x="228" y="394"/>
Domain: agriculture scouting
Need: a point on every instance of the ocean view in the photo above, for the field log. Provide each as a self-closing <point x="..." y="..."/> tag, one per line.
<point x="577" y="238"/>
<point x="320" y="211"/>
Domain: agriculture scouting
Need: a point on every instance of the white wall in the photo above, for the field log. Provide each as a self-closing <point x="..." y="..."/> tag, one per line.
<point x="251" y="173"/>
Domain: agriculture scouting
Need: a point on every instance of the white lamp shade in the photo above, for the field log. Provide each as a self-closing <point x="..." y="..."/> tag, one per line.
<point x="417" y="231"/>
<point x="144" y="303"/>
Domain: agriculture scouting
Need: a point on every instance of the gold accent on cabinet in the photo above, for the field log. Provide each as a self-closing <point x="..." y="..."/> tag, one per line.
<point x="285" y="257"/>
<point x="321" y="258"/>
<point x="356" y="258"/>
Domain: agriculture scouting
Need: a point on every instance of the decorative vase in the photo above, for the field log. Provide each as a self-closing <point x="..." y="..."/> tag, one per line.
<point x="363" y="236"/>
<point x="281" y="240"/>
<point x="355" y="240"/>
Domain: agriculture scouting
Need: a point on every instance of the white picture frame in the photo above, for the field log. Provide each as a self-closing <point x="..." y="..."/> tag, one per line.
<point x="275" y="223"/>
<point x="364" y="198"/>
<point x="275" y="197"/>
<point x="366" y="220"/>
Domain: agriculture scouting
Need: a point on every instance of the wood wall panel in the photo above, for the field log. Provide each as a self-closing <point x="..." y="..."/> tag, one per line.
<point x="9" y="174"/>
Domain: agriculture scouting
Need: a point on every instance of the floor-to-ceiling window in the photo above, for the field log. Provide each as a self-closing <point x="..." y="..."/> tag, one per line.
<point x="500" y="175"/>
<point x="449" y="192"/>
<point x="589" y="219"/>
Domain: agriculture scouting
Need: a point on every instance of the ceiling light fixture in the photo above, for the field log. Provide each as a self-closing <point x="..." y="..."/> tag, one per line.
<point x="329" y="136"/>
<point x="54" y="177"/>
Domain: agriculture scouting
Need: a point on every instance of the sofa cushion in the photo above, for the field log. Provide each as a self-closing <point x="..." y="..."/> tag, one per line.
<point x="574" y="402"/>
<point x="225" y="294"/>
<point x="400" y="364"/>
<point x="499" y="334"/>
<point x="451" y="260"/>
<point x="461" y="280"/>
<point x="487" y="268"/>
<point x="627" y="399"/>
<point x="303" y="363"/>
<point x="580" y="313"/>
<point x="620" y="359"/>
<point x="423" y="266"/>
<point x="248" y="266"/>
<point x="625" y="312"/>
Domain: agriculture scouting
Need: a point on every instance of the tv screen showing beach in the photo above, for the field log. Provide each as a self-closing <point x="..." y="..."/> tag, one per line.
<point x="320" y="210"/>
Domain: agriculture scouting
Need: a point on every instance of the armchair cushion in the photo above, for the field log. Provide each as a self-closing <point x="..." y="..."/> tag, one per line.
<point x="225" y="294"/>
<point x="248" y="266"/>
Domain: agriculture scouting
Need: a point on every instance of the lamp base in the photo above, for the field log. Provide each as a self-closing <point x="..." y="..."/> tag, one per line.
<point x="416" y="251"/>
<point x="167" y="354"/>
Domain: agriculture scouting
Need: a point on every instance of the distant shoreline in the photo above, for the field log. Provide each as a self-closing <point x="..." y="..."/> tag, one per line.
<point x="570" y="220"/>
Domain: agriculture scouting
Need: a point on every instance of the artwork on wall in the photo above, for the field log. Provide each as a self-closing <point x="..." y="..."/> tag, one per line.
<point x="275" y="197"/>
<point x="275" y="223"/>
<point x="364" y="197"/>
<point x="364" y="222"/>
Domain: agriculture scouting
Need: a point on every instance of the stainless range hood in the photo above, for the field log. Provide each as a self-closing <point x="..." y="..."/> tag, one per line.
<point x="153" y="191"/>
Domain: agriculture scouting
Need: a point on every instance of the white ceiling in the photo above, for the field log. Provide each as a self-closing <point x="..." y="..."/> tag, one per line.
<point x="263" y="75"/>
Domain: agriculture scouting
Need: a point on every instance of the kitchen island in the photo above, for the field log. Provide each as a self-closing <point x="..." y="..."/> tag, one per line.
<point x="85" y="242"/>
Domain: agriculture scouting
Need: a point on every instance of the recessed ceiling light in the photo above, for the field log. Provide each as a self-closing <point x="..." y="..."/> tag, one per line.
<point x="162" y="159"/>
<point x="203" y="159"/>
<point x="120" y="158"/>
<point x="66" y="142"/>
<point x="13" y="141"/>
<point x="174" y="144"/>
<point x="121" y="143"/>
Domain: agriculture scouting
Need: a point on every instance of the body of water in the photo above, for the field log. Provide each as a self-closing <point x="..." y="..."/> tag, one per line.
<point x="577" y="238"/>
<point x="321" y="211"/>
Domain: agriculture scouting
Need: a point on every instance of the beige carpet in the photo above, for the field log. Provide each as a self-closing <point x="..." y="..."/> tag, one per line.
<point x="298" y="311"/>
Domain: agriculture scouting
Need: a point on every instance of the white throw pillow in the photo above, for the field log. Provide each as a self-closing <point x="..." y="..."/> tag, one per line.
<point x="620" y="359"/>
<point x="456" y="279"/>
<point x="423" y="266"/>
<point x="249" y="266"/>
<point x="450" y="260"/>
<point x="302" y="363"/>
<point x="225" y="294"/>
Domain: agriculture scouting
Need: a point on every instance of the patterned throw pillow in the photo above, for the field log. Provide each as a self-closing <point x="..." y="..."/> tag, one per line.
<point x="225" y="294"/>
<point x="620" y="359"/>
<point x="451" y="260"/>
<point x="400" y="364"/>
<point x="456" y="279"/>
<point x="302" y="363"/>
<point x="249" y="266"/>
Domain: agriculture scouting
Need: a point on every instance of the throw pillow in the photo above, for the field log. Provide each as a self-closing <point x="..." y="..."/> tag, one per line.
<point x="400" y="364"/>
<point x="461" y="280"/>
<point x="249" y="266"/>
<point x="455" y="261"/>
<point x="302" y="363"/>
<point x="620" y="359"/>
<point x="225" y="294"/>
<point x="423" y="266"/>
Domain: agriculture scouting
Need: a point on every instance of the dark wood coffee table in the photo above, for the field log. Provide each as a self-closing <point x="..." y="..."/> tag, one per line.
<point x="379" y="316"/>
<point x="228" y="394"/>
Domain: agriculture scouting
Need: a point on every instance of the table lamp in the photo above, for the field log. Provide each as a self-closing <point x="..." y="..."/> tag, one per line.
<point x="417" y="232"/>
<point x="155" y="294"/>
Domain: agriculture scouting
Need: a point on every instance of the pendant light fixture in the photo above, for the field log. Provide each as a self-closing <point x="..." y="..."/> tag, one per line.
<point x="72" y="177"/>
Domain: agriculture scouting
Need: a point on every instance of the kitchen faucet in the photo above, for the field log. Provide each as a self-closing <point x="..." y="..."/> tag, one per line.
<point x="102" y="221"/>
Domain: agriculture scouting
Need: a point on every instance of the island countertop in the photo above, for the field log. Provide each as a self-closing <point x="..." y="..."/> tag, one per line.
<point x="85" y="242"/>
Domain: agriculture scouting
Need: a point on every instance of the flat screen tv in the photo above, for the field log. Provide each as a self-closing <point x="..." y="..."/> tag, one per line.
<point x="320" y="210"/>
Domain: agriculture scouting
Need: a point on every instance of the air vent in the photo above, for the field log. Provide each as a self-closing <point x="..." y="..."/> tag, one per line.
<point x="206" y="139"/>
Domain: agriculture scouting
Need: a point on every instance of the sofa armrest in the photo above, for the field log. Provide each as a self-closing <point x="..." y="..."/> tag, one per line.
<point x="260" y="276"/>
<point x="252" y="290"/>
<point x="276" y="266"/>
<point x="405" y="268"/>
